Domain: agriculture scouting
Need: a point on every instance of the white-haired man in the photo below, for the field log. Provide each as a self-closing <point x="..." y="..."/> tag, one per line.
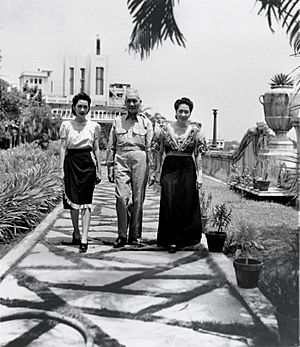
<point x="128" y="166"/>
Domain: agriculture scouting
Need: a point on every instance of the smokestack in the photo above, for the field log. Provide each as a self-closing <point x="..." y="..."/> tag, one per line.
<point x="97" y="45"/>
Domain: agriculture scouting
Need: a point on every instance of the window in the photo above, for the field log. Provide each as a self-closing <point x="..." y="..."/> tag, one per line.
<point x="82" y="79"/>
<point x="35" y="80"/>
<point x="71" y="81"/>
<point x="40" y="81"/>
<point x="99" y="80"/>
<point x="31" y="80"/>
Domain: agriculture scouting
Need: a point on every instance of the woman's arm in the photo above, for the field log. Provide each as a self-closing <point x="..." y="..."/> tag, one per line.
<point x="200" y="150"/>
<point x="98" y="158"/>
<point x="62" y="154"/>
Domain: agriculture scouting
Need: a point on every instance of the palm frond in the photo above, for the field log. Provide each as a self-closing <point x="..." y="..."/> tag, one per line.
<point x="287" y="14"/>
<point x="154" y="22"/>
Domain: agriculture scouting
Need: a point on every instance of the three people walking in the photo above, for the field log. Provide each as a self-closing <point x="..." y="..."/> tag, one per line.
<point x="178" y="148"/>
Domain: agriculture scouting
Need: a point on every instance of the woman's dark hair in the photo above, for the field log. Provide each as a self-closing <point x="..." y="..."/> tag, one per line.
<point x="80" y="96"/>
<point x="185" y="101"/>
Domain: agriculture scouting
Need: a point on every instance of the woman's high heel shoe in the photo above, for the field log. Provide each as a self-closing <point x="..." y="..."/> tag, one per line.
<point x="83" y="247"/>
<point x="172" y="249"/>
<point x="75" y="240"/>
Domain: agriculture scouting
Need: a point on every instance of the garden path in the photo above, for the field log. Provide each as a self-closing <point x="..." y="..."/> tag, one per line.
<point x="129" y="297"/>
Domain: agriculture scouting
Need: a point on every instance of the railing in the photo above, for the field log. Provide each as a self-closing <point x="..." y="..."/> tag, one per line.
<point x="96" y="115"/>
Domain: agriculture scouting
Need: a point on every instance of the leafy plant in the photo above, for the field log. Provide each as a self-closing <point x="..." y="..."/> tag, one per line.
<point x="205" y="203"/>
<point x="281" y="80"/>
<point x="245" y="241"/>
<point x="221" y="217"/>
<point x="235" y="175"/>
<point x="29" y="189"/>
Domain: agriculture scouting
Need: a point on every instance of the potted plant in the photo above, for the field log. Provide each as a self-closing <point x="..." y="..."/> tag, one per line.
<point x="260" y="181"/>
<point x="221" y="218"/>
<point x="247" y="262"/>
<point x="235" y="176"/>
<point x="280" y="283"/>
<point x="205" y="206"/>
<point x="281" y="80"/>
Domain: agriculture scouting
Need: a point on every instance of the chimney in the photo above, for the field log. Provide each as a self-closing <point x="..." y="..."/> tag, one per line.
<point x="97" y="45"/>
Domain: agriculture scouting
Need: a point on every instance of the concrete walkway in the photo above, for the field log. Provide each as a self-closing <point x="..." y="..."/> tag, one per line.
<point x="52" y="295"/>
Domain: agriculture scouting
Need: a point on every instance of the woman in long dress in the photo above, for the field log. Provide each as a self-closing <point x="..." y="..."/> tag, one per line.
<point x="182" y="145"/>
<point x="80" y="166"/>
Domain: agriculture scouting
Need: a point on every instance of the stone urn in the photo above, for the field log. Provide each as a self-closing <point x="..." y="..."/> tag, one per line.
<point x="280" y="108"/>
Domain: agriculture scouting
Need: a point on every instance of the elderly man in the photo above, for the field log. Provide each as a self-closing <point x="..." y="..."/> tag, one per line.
<point x="128" y="166"/>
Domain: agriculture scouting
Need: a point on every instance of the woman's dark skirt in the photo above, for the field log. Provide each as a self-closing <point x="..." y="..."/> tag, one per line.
<point x="80" y="176"/>
<point x="179" y="214"/>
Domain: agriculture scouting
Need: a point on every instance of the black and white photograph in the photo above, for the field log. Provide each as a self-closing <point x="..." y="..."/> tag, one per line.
<point x="149" y="173"/>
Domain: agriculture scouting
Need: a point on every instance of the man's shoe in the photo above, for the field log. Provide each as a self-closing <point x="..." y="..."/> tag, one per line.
<point x="120" y="242"/>
<point x="134" y="242"/>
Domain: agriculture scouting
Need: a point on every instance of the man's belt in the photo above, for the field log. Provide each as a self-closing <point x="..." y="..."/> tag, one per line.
<point x="121" y="149"/>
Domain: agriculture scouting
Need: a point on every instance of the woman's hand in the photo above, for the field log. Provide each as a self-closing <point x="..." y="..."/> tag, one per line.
<point x="98" y="177"/>
<point x="199" y="182"/>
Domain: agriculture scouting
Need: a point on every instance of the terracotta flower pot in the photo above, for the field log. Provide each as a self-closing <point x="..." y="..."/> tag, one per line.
<point x="215" y="241"/>
<point x="247" y="275"/>
<point x="261" y="185"/>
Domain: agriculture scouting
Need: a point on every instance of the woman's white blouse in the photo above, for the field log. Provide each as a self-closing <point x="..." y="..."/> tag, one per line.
<point x="79" y="135"/>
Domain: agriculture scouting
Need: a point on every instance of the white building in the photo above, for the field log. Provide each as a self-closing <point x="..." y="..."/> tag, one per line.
<point x="41" y="79"/>
<point x="220" y="144"/>
<point x="86" y="74"/>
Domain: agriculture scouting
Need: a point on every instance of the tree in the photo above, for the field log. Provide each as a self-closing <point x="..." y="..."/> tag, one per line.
<point x="10" y="101"/>
<point x="154" y="22"/>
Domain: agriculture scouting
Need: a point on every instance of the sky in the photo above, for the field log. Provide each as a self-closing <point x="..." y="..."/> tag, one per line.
<point x="229" y="58"/>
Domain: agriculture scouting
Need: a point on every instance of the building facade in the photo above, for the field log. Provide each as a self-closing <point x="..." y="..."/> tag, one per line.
<point x="41" y="79"/>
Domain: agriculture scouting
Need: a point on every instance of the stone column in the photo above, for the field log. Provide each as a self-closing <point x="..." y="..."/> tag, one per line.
<point x="214" y="144"/>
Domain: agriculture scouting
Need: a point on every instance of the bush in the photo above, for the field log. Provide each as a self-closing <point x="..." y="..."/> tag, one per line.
<point x="30" y="189"/>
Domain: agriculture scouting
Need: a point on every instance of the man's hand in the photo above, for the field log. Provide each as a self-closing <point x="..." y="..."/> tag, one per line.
<point x="111" y="175"/>
<point x="152" y="180"/>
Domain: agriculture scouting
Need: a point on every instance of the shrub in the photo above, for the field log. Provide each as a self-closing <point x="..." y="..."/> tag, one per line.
<point x="29" y="190"/>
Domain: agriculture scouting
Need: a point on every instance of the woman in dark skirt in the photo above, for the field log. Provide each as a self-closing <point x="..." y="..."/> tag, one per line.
<point x="80" y="166"/>
<point x="181" y="177"/>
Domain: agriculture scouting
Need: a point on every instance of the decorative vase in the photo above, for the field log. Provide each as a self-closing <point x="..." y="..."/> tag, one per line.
<point x="215" y="241"/>
<point x="288" y="327"/>
<point x="247" y="275"/>
<point x="279" y="109"/>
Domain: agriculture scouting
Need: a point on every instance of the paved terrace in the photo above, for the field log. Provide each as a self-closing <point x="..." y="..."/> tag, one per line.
<point x="123" y="297"/>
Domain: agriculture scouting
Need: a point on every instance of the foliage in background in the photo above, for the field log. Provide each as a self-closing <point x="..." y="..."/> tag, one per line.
<point x="29" y="189"/>
<point x="154" y="22"/>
